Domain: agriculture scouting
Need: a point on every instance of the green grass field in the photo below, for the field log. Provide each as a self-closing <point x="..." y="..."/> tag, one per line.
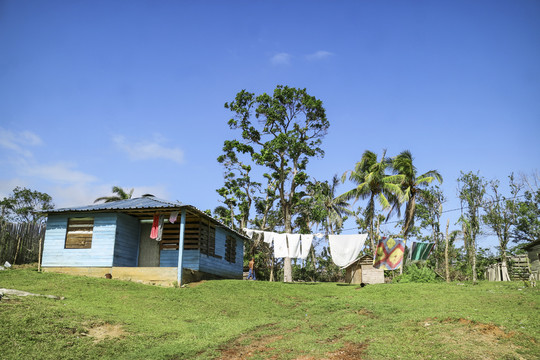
<point x="230" y="319"/>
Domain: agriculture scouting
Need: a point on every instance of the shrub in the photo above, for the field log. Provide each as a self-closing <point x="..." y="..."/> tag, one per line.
<point x="417" y="274"/>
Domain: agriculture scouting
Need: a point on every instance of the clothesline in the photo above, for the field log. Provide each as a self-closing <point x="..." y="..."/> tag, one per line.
<point x="298" y="244"/>
<point x="158" y="222"/>
<point x="344" y="249"/>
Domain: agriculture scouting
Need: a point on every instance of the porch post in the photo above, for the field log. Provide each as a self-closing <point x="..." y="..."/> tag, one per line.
<point x="181" y="245"/>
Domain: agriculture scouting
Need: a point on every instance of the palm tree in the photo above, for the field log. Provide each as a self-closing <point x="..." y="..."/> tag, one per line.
<point x="412" y="186"/>
<point x="121" y="194"/>
<point x="334" y="208"/>
<point x="373" y="182"/>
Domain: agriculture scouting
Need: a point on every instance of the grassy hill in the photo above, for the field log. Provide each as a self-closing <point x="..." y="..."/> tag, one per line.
<point x="230" y="319"/>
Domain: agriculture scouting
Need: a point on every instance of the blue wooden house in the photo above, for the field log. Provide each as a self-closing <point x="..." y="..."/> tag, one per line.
<point x="114" y="238"/>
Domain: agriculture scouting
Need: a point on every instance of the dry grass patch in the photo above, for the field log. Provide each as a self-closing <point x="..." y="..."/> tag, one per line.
<point x="105" y="331"/>
<point x="349" y="351"/>
<point x="478" y="340"/>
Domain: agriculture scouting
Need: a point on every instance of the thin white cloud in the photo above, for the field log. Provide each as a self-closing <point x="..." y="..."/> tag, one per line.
<point x="149" y="149"/>
<point x="19" y="141"/>
<point x="281" y="59"/>
<point x="61" y="173"/>
<point x="319" y="55"/>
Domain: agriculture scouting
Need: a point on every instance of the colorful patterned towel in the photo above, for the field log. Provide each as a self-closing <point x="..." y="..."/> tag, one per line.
<point x="389" y="254"/>
<point x="420" y="251"/>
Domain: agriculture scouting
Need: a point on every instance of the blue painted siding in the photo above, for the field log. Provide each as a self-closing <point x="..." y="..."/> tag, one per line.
<point x="169" y="258"/>
<point x="222" y="267"/>
<point x="99" y="255"/>
<point x="127" y="241"/>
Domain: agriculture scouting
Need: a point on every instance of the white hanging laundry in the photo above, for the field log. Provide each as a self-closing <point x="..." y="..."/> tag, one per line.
<point x="294" y="245"/>
<point x="173" y="217"/>
<point x="268" y="236"/>
<point x="280" y="246"/>
<point x="306" y="240"/>
<point x="249" y="232"/>
<point x="160" y="227"/>
<point x="345" y="248"/>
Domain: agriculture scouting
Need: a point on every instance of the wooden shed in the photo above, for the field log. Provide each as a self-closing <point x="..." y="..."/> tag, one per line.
<point x="362" y="271"/>
<point x="533" y="252"/>
<point x="114" y="238"/>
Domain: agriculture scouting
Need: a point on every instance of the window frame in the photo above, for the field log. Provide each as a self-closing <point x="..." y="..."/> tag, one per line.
<point x="80" y="224"/>
<point x="230" y="249"/>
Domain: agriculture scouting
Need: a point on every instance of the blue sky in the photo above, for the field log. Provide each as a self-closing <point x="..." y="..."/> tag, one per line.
<point x="130" y="93"/>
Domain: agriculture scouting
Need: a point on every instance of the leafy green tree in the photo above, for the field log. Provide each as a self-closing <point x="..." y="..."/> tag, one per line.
<point x="332" y="209"/>
<point x="428" y="211"/>
<point x="527" y="226"/>
<point x="471" y="191"/>
<point x="24" y="205"/>
<point x="288" y="131"/>
<point x="372" y="182"/>
<point x="239" y="189"/>
<point x="500" y="214"/>
<point x="121" y="194"/>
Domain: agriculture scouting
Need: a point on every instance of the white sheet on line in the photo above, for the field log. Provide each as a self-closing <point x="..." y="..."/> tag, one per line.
<point x="280" y="246"/>
<point x="249" y="232"/>
<point x="345" y="248"/>
<point x="305" y="240"/>
<point x="268" y="237"/>
<point x="294" y="245"/>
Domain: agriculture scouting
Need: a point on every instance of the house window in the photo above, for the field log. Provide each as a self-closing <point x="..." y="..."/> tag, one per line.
<point x="207" y="237"/>
<point x="79" y="233"/>
<point x="230" y="249"/>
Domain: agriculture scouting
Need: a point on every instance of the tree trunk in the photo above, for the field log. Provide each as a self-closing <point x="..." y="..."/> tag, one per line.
<point x="435" y="240"/>
<point x="313" y="259"/>
<point x="287" y="270"/>
<point x="287" y="265"/>
<point x="473" y="251"/>
<point x="272" y="270"/>
<point x="446" y="253"/>
<point x="505" y="276"/>
<point x="18" y="247"/>
<point x="371" y="238"/>
<point x="403" y="261"/>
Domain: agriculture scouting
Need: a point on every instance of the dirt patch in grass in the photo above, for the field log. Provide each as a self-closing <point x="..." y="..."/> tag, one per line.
<point x="478" y="340"/>
<point x="105" y="331"/>
<point x="489" y="330"/>
<point x="195" y="284"/>
<point x="254" y="345"/>
<point x="249" y="345"/>
<point x="349" y="351"/>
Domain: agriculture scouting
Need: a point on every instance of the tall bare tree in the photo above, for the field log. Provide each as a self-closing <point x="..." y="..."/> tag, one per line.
<point x="471" y="191"/>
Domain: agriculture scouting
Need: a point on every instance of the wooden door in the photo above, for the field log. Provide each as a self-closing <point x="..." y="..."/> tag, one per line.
<point x="148" y="248"/>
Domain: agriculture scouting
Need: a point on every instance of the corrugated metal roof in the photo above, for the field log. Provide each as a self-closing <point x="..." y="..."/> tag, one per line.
<point x="145" y="202"/>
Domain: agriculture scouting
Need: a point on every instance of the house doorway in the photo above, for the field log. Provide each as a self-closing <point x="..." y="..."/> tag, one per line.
<point x="148" y="248"/>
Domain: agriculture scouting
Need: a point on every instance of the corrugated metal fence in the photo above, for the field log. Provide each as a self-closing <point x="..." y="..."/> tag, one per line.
<point x="19" y="243"/>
